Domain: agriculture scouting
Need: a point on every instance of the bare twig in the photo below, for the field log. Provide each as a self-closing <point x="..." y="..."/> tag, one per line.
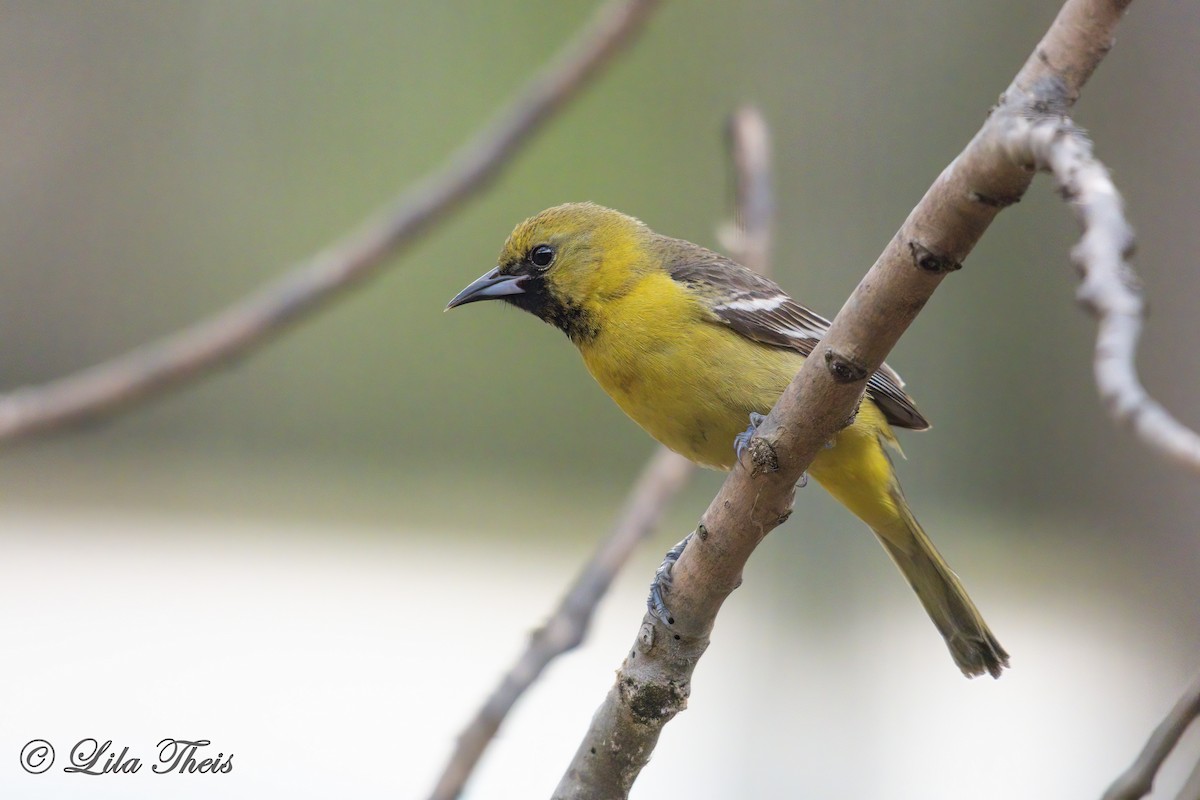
<point x="748" y="239"/>
<point x="1109" y="288"/>
<point x="654" y="681"/>
<point x="1138" y="780"/>
<point x="661" y="479"/>
<point x="664" y="475"/>
<point x="248" y="323"/>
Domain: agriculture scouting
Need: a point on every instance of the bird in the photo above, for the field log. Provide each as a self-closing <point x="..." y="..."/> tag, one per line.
<point x="690" y="344"/>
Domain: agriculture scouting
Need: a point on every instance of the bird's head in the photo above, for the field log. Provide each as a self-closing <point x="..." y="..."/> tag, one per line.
<point x="560" y="264"/>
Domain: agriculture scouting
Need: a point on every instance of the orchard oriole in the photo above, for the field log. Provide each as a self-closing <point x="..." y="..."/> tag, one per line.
<point x="690" y="344"/>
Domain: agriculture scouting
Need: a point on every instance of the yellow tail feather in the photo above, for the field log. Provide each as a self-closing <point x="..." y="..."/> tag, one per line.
<point x="858" y="473"/>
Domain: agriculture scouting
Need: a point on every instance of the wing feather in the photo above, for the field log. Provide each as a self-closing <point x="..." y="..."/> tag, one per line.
<point x="755" y="307"/>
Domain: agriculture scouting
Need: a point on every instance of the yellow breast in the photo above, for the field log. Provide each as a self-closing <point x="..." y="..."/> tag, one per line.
<point x="688" y="381"/>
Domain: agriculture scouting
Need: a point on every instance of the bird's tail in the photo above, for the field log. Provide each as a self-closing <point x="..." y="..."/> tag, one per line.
<point x="858" y="473"/>
<point x="972" y="644"/>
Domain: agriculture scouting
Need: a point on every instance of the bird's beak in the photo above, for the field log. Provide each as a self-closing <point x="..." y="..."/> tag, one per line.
<point x="488" y="287"/>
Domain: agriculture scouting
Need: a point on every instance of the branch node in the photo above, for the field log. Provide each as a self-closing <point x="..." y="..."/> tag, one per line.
<point x="645" y="639"/>
<point x="653" y="703"/>
<point x="843" y="369"/>
<point x="1050" y="96"/>
<point x="992" y="201"/>
<point x="701" y="532"/>
<point x="763" y="458"/>
<point x="929" y="261"/>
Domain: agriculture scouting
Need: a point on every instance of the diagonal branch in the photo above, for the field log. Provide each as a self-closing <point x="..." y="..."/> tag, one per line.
<point x="663" y="476"/>
<point x="195" y="351"/>
<point x="661" y="479"/>
<point x="654" y="681"/>
<point x="1138" y="780"/>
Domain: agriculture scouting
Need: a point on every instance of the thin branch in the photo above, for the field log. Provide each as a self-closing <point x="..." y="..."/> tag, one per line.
<point x="1111" y="291"/>
<point x="748" y="239"/>
<point x="1138" y="780"/>
<point x="661" y="479"/>
<point x="654" y="681"/>
<point x="195" y="351"/>
<point x="1109" y="288"/>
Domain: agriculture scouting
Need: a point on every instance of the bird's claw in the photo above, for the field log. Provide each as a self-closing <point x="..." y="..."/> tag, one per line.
<point x="661" y="584"/>
<point x="742" y="440"/>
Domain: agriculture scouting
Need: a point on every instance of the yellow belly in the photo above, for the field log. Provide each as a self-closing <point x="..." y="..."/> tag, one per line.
<point x="675" y="380"/>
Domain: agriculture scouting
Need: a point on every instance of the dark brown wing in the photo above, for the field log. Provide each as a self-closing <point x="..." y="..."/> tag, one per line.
<point x="758" y="309"/>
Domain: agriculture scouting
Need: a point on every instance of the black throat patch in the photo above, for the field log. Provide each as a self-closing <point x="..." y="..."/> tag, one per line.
<point x="579" y="326"/>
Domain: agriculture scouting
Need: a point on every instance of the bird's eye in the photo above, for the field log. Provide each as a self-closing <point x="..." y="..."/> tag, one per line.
<point x="541" y="256"/>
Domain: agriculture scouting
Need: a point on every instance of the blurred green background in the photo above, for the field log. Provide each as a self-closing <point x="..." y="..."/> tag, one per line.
<point x="158" y="160"/>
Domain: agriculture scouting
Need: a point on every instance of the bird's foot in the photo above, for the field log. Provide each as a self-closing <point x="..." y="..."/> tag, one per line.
<point x="662" y="583"/>
<point x="742" y="440"/>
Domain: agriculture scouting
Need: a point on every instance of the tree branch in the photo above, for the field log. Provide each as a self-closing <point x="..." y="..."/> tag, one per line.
<point x="1111" y="291"/>
<point x="195" y="351"/>
<point x="654" y="681"/>
<point x="749" y="237"/>
<point x="1109" y="288"/>
<point x="661" y="479"/>
<point x="1138" y="780"/>
<point x="663" y="476"/>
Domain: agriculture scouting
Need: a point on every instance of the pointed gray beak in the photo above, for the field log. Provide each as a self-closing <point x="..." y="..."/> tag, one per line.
<point x="488" y="287"/>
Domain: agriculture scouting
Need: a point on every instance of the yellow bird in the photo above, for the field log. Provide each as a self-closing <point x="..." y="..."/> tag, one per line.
<point x="691" y="344"/>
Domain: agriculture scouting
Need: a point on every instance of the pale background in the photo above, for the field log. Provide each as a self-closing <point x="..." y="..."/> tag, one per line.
<point x="322" y="558"/>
